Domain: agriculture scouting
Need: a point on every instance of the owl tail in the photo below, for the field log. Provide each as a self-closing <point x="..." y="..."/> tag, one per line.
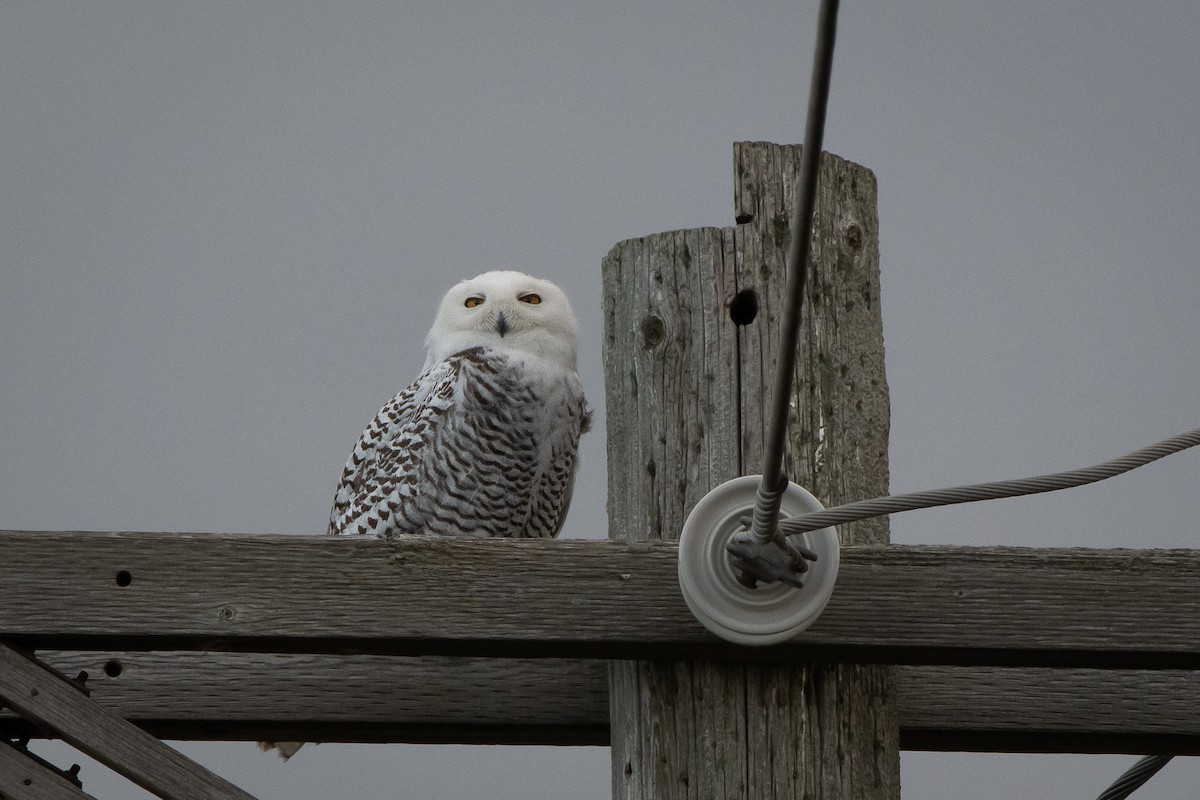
<point x="286" y="749"/>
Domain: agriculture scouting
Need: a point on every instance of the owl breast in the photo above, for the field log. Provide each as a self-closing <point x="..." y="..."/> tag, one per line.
<point x="482" y="444"/>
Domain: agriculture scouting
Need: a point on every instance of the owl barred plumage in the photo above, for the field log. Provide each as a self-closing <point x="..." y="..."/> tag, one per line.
<point x="481" y="445"/>
<point x="484" y="442"/>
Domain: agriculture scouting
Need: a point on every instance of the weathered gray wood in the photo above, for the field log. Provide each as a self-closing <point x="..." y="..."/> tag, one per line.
<point x="840" y="419"/>
<point x="835" y="725"/>
<point x="666" y="298"/>
<point x="236" y="696"/>
<point x="23" y="778"/>
<point x="257" y="696"/>
<point x="1044" y="710"/>
<point x="678" y="426"/>
<point x="39" y="695"/>
<point x="597" y="599"/>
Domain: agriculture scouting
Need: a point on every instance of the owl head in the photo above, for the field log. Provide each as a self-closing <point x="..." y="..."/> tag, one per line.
<point x="507" y="311"/>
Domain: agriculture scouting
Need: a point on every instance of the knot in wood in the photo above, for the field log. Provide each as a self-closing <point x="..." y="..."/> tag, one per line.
<point x="653" y="332"/>
<point x="854" y="237"/>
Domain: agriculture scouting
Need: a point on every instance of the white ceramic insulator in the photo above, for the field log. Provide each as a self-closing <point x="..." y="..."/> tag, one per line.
<point x="770" y="613"/>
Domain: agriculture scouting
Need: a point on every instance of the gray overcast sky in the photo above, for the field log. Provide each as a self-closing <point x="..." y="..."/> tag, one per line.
<point x="226" y="229"/>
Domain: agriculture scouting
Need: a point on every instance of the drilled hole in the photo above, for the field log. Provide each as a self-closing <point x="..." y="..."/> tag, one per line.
<point x="743" y="308"/>
<point x="113" y="668"/>
<point x="124" y="578"/>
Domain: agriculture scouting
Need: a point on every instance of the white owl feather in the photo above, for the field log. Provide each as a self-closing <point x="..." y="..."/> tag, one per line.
<point x="484" y="441"/>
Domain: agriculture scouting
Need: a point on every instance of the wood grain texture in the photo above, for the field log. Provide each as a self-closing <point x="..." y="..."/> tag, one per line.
<point x="585" y="599"/>
<point x="23" y="778"/>
<point x="840" y="414"/>
<point x="670" y="361"/>
<point x="833" y="725"/>
<point x="39" y="695"/>
<point x="256" y="696"/>
<point x="435" y="699"/>
<point x="702" y="729"/>
<point x="1044" y="710"/>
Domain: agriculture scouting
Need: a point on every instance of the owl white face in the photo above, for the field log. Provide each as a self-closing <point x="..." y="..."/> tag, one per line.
<point x="505" y="310"/>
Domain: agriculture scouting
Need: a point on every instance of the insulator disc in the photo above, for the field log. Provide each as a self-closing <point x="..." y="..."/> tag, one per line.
<point x="771" y="613"/>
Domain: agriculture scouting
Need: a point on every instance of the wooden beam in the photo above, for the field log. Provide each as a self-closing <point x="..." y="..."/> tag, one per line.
<point x="253" y="696"/>
<point x="41" y="696"/>
<point x="437" y="699"/>
<point x="22" y="777"/>
<point x="1044" y="710"/>
<point x="1131" y="609"/>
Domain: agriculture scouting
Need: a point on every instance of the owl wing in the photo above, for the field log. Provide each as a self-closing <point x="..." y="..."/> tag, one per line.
<point x="565" y="419"/>
<point x="383" y="462"/>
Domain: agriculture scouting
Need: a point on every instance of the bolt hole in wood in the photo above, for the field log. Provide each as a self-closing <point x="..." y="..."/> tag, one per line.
<point x="124" y="578"/>
<point x="113" y="668"/>
<point x="743" y="308"/>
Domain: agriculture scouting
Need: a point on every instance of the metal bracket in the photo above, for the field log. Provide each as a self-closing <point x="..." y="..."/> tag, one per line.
<point x="768" y="562"/>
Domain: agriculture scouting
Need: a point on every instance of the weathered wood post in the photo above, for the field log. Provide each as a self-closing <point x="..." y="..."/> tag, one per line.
<point x="688" y="366"/>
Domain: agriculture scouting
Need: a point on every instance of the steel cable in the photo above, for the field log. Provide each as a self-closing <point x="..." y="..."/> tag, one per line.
<point x="865" y="509"/>
<point x="766" y="511"/>
<point x="1134" y="777"/>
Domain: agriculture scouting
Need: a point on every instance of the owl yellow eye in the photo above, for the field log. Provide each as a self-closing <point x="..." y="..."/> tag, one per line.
<point x="531" y="298"/>
<point x="471" y="302"/>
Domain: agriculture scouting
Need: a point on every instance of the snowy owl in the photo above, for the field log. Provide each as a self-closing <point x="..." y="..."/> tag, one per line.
<point x="484" y="442"/>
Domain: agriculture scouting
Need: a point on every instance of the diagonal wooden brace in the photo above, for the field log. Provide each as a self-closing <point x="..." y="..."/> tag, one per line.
<point x="24" y="777"/>
<point x="43" y="696"/>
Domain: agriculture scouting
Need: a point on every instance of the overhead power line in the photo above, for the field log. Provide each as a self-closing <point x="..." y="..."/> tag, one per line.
<point x="766" y="510"/>
<point x="865" y="509"/>
<point x="1134" y="777"/>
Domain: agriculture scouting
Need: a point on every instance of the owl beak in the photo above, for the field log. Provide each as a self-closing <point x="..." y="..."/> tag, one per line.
<point x="502" y="325"/>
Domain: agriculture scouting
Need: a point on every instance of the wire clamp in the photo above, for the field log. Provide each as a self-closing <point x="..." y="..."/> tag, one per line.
<point x="774" y="560"/>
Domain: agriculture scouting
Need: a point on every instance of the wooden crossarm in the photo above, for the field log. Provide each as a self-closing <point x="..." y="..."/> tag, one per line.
<point x="1133" y="609"/>
<point x="438" y="699"/>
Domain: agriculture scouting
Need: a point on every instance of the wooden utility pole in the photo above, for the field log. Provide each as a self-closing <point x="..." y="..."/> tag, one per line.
<point x="691" y="327"/>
